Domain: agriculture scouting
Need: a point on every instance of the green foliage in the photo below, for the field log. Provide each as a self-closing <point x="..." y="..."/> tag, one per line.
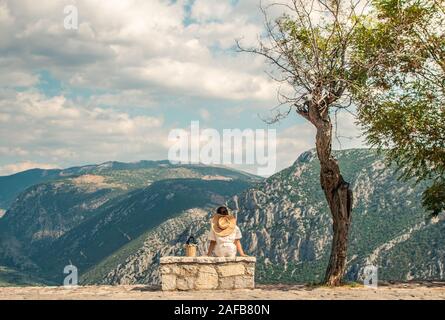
<point x="11" y="186"/>
<point x="385" y="208"/>
<point x="97" y="272"/>
<point x="402" y="97"/>
<point x="316" y="52"/>
<point x="434" y="197"/>
<point x="307" y="272"/>
<point x="422" y="254"/>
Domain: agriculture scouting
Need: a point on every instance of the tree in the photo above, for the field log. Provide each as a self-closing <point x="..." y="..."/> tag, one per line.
<point x="402" y="100"/>
<point x="310" y="50"/>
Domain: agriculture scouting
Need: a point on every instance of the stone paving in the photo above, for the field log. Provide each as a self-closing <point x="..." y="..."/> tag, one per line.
<point x="404" y="291"/>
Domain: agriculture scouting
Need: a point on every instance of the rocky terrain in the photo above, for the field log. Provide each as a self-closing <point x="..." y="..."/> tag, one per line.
<point x="85" y="214"/>
<point x="286" y="225"/>
<point x="138" y="261"/>
<point x="284" y="220"/>
<point x="129" y="175"/>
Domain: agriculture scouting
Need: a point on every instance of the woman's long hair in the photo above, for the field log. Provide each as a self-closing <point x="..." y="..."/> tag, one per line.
<point x="222" y="211"/>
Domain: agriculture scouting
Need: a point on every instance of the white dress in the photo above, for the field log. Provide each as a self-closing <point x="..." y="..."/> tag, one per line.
<point x="225" y="246"/>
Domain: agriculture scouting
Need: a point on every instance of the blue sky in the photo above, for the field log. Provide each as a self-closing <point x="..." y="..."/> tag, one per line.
<point x="134" y="70"/>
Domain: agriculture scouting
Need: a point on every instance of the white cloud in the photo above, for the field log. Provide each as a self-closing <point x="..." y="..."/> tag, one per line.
<point x="18" y="79"/>
<point x="225" y="34"/>
<point x="133" y="53"/>
<point x="293" y="141"/>
<point x="58" y="132"/>
<point x="61" y="132"/>
<point x="298" y="138"/>
<point x="135" y="44"/>
<point x="12" y="151"/>
<point x="23" y="166"/>
<point x="207" y="81"/>
<point x="123" y="99"/>
<point x="347" y="134"/>
<point x="210" y="10"/>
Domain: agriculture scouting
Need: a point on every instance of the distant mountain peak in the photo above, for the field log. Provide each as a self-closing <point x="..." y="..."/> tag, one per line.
<point x="307" y="156"/>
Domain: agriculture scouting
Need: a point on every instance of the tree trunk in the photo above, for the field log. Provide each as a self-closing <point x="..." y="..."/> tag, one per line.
<point x="339" y="198"/>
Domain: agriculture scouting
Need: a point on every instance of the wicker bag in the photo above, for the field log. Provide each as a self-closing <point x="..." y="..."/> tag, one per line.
<point x="190" y="250"/>
<point x="190" y="247"/>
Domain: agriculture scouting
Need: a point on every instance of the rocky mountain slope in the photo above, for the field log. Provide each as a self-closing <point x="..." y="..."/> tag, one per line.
<point x="137" y="262"/>
<point x="114" y="224"/>
<point x="84" y="217"/>
<point x="11" y="186"/>
<point x="133" y="175"/>
<point x="120" y="222"/>
<point x="292" y="236"/>
<point x="287" y="226"/>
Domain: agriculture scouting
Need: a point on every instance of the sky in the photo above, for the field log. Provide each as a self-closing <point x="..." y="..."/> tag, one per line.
<point x="134" y="70"/>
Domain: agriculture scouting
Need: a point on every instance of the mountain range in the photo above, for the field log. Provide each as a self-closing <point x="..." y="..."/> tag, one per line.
<point x="83" y="214"/>
<point x="115" y="220"/>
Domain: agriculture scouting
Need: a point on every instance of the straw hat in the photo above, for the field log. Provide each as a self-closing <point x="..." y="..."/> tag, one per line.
<point x="223" y="225"/>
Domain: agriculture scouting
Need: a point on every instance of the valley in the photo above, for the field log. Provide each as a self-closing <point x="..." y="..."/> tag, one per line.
<point x="114" y="221"/>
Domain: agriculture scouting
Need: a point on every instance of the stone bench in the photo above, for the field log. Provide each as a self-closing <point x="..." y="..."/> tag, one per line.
<point x="207" y="273"/>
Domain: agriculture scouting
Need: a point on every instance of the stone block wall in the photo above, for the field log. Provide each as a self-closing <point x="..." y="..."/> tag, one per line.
<point x="207" y="273"/>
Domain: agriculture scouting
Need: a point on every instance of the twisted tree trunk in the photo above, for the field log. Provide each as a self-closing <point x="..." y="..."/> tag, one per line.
<point x="338" y="195"/>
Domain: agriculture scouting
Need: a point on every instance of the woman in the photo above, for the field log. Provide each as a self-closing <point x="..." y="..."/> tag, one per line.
<point x="224" y="235"/>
